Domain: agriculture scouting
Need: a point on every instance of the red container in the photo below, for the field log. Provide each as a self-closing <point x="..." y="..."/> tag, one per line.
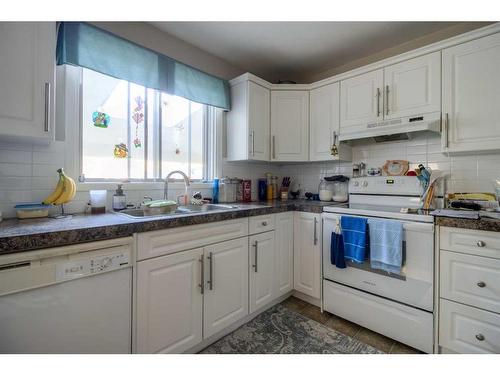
<point x="246" y="187"/>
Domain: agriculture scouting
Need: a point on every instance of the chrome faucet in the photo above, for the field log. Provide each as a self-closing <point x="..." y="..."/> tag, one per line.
<point x="186" y="183"/>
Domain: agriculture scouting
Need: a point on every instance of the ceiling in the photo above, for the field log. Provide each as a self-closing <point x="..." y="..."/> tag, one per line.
<point x="292" y="50"/>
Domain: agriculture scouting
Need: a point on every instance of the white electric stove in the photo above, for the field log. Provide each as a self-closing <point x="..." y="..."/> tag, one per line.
<point x="396" y="305"/>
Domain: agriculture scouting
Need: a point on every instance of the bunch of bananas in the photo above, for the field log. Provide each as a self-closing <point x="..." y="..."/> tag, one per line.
<point x="64" y="192"/>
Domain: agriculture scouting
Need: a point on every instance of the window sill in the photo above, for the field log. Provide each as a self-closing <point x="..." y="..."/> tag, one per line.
<point x="132" y="186"/>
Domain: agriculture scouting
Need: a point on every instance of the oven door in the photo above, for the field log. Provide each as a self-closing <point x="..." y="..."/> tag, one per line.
<point x="413" y="287"/>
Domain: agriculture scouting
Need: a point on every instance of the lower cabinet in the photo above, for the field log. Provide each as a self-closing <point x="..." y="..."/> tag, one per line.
<point x="169" y="303"/>
<point x="226" y="286"/>
<point x="283" y="236"/>
<point x="185" y="297"/>
<point x="262" y="270"/>
<point x="307" y="253"/>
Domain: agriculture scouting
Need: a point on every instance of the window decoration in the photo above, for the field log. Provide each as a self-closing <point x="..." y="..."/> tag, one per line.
<point x="138" y="117"/>
<point x="100" y="119"/>
<point x="121" y="151"/>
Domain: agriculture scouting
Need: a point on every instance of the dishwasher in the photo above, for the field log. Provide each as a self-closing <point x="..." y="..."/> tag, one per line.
<point x="69" y="299"/>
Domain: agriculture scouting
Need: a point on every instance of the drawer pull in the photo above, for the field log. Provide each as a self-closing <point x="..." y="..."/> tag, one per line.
<point x="481" y="284"/>
<point x="479" y="337"/>
<point x="264" y="223"/>
<point x="481" y="244"/>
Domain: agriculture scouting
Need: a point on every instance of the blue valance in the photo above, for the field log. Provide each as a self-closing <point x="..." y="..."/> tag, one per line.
<point x="85" y="45"/>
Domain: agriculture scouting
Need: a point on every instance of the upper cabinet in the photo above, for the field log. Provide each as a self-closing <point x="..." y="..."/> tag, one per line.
<point x="248" y="122"/>
<point x="361" y="99"/>
<point x="413" y="87"/>
<point x="471" y="96"/>
<point x="324" y="125"/>
<point x="290" y="125"/>
<point x="27" y="77"/>
<point x="409" y="88"/>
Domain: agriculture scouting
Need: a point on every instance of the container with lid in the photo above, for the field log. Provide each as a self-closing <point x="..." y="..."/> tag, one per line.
<point x="119" y="199"/>
<point x="325" y="190"/>
<point x="340" y="186"/>
<point x="228" y="189"/>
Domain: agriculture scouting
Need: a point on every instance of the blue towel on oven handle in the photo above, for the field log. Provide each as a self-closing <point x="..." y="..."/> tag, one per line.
<point x="386" y="245"/>
<point x="337" y="248"/>
<point x="354" y="231"/>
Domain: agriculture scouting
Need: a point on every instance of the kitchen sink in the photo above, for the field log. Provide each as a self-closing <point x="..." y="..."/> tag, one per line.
<point x="139" y="213"/>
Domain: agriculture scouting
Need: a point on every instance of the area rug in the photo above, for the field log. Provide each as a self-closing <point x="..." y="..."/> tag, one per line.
<point x="280" y="330"/>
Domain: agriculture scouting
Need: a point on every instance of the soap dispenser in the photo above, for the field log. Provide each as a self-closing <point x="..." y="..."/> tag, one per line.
<point x="119" y="199"/>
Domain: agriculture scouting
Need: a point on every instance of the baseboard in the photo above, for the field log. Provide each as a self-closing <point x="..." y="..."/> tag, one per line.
<point x="306" y="298"/>
<point x="210" y="340"/>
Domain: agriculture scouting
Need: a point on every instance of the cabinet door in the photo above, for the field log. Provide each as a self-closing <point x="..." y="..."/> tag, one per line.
<point x="307" y="253"/>
<point x="259" y="121"/>
<point x="262" y="255"/>
<point x="471" y="94"/>
<point x="361" y="99"/>
<point x="284" y="253"/>
<point x="289" y="125"/>
<point x="413" y="87"/>
<point x="27" y="71"/>
<point x="226" y="285"/>
<point x="169" y="303"/>
<point x="324" y="121"/>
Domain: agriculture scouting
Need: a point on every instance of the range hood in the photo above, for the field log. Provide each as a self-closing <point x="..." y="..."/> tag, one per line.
<point x="394" y="129"/>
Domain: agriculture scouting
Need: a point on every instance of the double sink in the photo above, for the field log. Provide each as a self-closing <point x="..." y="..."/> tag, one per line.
<point x="181" y="210"/>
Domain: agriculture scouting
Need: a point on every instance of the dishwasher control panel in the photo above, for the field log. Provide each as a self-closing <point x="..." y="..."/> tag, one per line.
<point x="91" y="265"/>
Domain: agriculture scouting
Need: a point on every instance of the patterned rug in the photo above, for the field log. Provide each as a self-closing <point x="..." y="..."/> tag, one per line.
<point x="280" y="330"/>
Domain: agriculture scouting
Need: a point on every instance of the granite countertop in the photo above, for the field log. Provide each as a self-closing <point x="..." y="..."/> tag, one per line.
<point x="483" y="223"/>
<point x="31" y="234"/>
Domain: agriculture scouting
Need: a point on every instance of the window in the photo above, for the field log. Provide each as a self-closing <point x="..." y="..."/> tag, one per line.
<point x="131" y="133"/>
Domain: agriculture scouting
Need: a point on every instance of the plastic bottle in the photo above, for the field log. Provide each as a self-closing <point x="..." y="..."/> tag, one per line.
<point x="215" y="192"/>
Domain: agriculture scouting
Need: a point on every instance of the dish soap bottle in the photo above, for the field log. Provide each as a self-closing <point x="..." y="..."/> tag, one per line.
<point x="119" y="199"/>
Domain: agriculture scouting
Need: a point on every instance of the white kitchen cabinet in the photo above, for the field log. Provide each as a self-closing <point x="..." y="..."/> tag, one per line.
<point x="471" y="94"/>
<point x="226" y="285"/>
<point x="289" y="125"/>
<point x="248" y="122"/>
<point x="361" y="99"/>
<point x="413" y="87"/>
<point x="169" y="302"/>
<point x="27" y="77"/>
<point x="307" y="253"/>
<point x="324" y="124"/>
<point x="283" y="235"/>
<point x="262" y="259"/>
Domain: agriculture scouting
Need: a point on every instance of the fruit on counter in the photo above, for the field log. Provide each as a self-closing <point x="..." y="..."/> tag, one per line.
<point x="64" y="192"/>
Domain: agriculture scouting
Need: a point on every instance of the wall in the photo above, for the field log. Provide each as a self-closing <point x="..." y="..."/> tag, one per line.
<point x="466" y="173"/>
<point x="393" y="51"/>
<point x="149" y="36"/>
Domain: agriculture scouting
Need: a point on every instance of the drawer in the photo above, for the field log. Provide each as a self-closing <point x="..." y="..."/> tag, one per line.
<point x="168" y="241"/>
<point x="468" y="241"/>
<point x="259" y="224"/>
<point x="465" y="329"/>
<point x="470" y="279"/>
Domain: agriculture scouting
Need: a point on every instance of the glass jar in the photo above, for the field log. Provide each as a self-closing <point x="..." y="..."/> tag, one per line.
<point x="325" y="190"/>
<point x="340" y="191"/>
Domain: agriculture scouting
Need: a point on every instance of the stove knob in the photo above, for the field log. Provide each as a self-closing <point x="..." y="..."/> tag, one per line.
<point x="356" y="183"/>
<point x="365" y="183"/>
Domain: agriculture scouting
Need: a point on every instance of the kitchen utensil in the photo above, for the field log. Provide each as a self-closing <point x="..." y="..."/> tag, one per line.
<point x="159" y="207"/>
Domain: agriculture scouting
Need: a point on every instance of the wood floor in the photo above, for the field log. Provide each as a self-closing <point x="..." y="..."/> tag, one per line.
<point x="374" y="339"/>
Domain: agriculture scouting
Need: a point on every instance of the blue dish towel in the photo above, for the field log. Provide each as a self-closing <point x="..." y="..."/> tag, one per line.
<point x="337" y="250"/>
<point x="354" y="231"/>
<point x="386" y="245"/>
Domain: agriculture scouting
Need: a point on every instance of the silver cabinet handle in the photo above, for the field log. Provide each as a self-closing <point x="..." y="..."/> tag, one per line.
<point x="446" y="124"/>
<point x="480" y="337"/>
<point x="202" y="276"/>
<point x="47" y="108"/>
<point x="211" y="271"/>
<point x="386" y="101"/>
<point x="256" y="246"/>
<point x="252" y="134"/>
<point x="481" y="284"/>
<point x="274" y="147"/>
<point x="481" y="244"/>
<point x="378" y="102"/>
<point x="315" y="231"/>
